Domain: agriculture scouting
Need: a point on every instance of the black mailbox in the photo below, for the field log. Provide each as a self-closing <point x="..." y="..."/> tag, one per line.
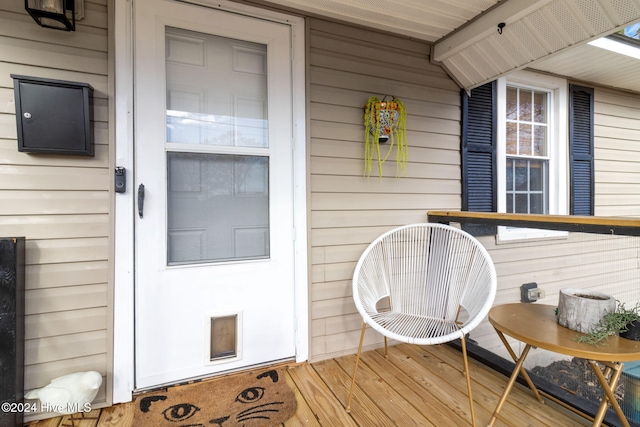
<point x="53" y="116"/>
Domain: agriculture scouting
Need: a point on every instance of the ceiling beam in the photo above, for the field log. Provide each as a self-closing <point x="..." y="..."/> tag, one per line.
<point x="507" y="12"/>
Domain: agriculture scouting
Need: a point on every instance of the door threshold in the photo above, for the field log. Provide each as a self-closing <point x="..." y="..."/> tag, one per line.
<point x="275" y="364"/>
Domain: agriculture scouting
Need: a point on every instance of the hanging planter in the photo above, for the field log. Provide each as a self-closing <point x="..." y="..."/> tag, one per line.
<point x="385" y="121"/>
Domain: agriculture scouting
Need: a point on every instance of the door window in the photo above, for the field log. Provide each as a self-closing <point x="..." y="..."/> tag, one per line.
<point x="218" y="207"/>
<point x="218" y="190"/>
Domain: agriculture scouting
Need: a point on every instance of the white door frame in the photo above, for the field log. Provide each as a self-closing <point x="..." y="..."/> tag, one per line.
<point x="124" y="263"/>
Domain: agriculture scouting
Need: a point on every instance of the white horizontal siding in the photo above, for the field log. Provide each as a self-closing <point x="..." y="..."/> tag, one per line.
<point x="53" y="202"/>
<point x="64" y="299"/>
<point x="348" y="210"/>
<point x="617" y="153"/>
<point x="55" y="226"/>
<point x="60" y="274"/>
<point x="66" y="250"/>
<point x="61" y="204"/>
<point x="53" y="178"/>
<point x="51" y="349"/>
<point x="55" y="324"/>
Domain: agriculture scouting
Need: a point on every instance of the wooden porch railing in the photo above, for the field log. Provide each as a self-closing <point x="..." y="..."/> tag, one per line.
<point x="582" y="224"/>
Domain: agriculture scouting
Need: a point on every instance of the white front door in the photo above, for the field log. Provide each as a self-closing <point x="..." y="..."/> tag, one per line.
<point x="214" y="218"/>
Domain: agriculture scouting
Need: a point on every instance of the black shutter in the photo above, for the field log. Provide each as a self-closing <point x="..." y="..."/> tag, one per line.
<point x="581" y="150"/>
<point x="479" y="139"/>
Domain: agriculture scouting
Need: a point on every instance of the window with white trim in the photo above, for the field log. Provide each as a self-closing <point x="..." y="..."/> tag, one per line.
<point x="527" y="138"/>
<point x="513" y="160"/>
<point x="531" y="149"/>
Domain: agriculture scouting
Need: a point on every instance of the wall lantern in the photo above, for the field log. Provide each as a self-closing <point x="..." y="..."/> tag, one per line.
<point x="58" y="14"/>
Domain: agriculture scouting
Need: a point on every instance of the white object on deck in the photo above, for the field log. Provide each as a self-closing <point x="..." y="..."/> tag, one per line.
<point x="69" y="393"/>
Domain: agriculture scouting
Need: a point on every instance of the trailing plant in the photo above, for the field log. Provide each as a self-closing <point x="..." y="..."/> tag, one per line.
<point x="612" y="323"/>
<point x="385" y="120"/>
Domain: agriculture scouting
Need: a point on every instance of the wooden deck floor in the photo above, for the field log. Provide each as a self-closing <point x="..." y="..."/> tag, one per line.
<point x="416" y="386"/>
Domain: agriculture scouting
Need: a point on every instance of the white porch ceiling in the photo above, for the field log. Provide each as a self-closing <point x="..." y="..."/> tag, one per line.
<point x="594" y="64"/>
<point x="549" y="35"/>
<point x="428" y="20"/>
<point x="479" y="53"/>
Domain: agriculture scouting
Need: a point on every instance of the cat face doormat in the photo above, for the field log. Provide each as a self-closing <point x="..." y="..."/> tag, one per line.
<point x="256" y="399"/>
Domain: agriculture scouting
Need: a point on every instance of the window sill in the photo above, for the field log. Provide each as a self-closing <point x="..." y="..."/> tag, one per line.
<point x="515" y="235"/>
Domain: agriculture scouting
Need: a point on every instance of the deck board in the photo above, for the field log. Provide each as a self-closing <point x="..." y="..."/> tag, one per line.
<point x="397" y="404"/>
<point x="412" y="391"/>
<point x="367" y="411"/>
<point x="117" y="416"/>
<point x="319" y="396"/>
<point x="304" y="416"/>
<point x="415" y="386"/>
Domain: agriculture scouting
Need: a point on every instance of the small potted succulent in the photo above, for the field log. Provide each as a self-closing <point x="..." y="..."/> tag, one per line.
<point x="623" y="321"/>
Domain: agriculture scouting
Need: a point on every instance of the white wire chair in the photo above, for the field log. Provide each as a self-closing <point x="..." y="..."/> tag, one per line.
<point x="423" y="284"/>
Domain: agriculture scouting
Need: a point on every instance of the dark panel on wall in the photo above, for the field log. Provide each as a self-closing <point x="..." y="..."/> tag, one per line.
<point x="11" y="328"/>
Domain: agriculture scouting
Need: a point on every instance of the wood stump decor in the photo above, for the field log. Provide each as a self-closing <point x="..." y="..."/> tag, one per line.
<point x="580" y="309"/>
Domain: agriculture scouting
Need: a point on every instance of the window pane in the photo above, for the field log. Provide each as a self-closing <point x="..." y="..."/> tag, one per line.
<point x="512" y="103"/>
<point x="525" y="105"/>
<point x="512" y="138"/>
<point x="540" y="141"/>
<point x="527" y="191"/>
<point x="522" y="203"/>
<point x="537" y="204"/>
<point x="216" y="90"/>
<point x="524" y="135"/>
<point x="540" y="107"/>
<point x="536" y="179"/>
<point x="522" y="175"/>
<point x="218" y="207"/>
